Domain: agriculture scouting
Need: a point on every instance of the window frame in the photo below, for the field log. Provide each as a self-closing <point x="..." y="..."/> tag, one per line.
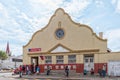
<point x="59" y="59"/>
<point x="71" y="60"/>
<point x="48" y="59"/>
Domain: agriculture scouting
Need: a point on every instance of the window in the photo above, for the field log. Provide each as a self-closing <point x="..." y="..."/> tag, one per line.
<point x="59" y="59"/>
<point x="71" y="59"/>
<point x="48" y="59"/>
<point x="91" y="59"/>
<point x="86" y="60"/>
<point x="59" y="33"/>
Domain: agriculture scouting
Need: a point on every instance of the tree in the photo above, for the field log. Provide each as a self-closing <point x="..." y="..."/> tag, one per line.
<point x="3" y="55"/>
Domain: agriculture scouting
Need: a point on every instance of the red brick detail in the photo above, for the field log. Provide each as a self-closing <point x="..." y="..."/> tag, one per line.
<point x="79" y="68"/>
<point x="41" y="68"/>
<point x="99" y="66"/>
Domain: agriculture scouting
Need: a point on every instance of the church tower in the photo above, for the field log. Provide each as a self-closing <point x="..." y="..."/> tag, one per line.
<point x="8" y="50"/>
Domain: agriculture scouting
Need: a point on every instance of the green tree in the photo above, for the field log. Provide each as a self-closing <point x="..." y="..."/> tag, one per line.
<point x="3" y="55"/>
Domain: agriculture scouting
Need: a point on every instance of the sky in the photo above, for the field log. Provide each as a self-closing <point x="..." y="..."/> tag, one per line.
<point x="20" y="19"/>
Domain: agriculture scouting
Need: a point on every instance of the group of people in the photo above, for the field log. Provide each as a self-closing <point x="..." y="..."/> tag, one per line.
<point x="91" y="72"/>
<point x="29" y="70"/>
<point x="33" y="69"/>
<point x="66" y="70"/>
<point x="36" y="69"/>
<point x="101" y="71"/>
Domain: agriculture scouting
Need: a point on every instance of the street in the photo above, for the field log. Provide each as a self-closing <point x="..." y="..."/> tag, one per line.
<point x="9" y="76"/>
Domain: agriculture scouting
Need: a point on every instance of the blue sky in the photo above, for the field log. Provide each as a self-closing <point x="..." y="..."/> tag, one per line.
<point x="19" y="19"/>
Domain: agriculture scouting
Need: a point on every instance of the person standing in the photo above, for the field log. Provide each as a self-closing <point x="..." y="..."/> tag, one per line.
<point x="100" y="72"/>
<point x="32" y="68"/>
<point x="85" y="72"/>
<point x="67" y="71"/>
<point x="48" y="70"/>
<point x="20" y="71"/>
<point x="27" y="70"/>
<point x="104" y="70"/>
<point x="37" y="70"/>
<point x="92" y="71"/>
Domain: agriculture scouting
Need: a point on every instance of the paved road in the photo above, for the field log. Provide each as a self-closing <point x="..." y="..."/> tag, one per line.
<point x="9" y="76"/>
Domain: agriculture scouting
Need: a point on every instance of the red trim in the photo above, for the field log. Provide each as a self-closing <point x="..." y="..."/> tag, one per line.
<point x="42" y="57"/>
<point x="41" y="68"/>
<point x="34" y="49"/>
<point x="99" y="66"/>
<point x="79" y="68"/>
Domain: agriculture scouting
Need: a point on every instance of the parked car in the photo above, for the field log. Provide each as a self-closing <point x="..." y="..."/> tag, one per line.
<point x="16" y="71"/>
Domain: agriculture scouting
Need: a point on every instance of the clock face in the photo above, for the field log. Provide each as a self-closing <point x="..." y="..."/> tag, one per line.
<point x="59" y="33"/>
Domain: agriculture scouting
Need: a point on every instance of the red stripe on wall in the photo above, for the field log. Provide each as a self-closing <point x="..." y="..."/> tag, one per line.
<point x="99" y="66"/>
<point x="79" y="68"/>
<point x="41" y="68"/>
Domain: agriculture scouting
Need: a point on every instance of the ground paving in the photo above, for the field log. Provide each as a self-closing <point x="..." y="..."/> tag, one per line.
<point x="63" y="77"/>
<point x="54" y="76"/>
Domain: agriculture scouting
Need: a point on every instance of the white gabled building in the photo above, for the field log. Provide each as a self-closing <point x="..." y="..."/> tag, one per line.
<point x="10" y="62"/>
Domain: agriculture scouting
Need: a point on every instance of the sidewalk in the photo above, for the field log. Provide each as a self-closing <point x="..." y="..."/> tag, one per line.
<point x="62" y="77"/>
<point x="5" y="71"/>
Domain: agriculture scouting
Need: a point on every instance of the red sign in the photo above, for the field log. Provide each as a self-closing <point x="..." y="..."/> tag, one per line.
<point x="34" y="49"/>
<point x="42" y="57"/>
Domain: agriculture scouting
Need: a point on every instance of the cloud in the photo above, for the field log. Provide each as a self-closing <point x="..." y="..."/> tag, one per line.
<point x="11" y="30"/>
<point x="113" y="1"/>
<point x="116" y="4"/>
<point x="113" y="37"/>
<point x="99" y="3"/>
<point x="1" y="7"/>
<point x="16" y="49"/>
<point x="75" y="7"/>
<point x="47" y="4"/>
<point x="20" y="19"/>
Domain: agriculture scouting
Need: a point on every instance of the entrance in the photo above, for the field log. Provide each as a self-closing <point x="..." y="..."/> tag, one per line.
<point x="88" y="62"/>
<point x="34" y="60"/>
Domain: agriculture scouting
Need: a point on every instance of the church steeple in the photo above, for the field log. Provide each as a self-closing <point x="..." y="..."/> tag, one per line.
<point x="8" y="50"/>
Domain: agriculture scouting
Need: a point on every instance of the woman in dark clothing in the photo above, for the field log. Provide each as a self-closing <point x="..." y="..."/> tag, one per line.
<point x="67" y="71"/>
<point x="48" y="70"/>
<point x="100" y="72"/>
<point x="32" y="68"/>
<point x="92" y="71"/>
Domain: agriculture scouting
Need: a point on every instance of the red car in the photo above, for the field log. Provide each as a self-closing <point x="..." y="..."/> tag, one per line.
<point x="16" y="71"/>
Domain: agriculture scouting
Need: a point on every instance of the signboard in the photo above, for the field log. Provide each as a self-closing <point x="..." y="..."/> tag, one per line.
<point x="17" y="60"/>
<point x="34" y="49"/>
<point x="114" y="68"/>
<point x="42" y="57"/>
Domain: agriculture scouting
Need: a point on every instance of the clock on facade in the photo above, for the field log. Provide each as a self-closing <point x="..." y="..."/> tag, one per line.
<point x="59" y="33"/>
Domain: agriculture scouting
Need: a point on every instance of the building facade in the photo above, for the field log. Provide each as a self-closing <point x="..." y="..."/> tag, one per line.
<point x="64" y="42"/>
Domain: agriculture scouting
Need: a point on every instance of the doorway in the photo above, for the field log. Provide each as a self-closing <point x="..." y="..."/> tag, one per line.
<point x="34" y="60"/>
<point x="88" y="62"/>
